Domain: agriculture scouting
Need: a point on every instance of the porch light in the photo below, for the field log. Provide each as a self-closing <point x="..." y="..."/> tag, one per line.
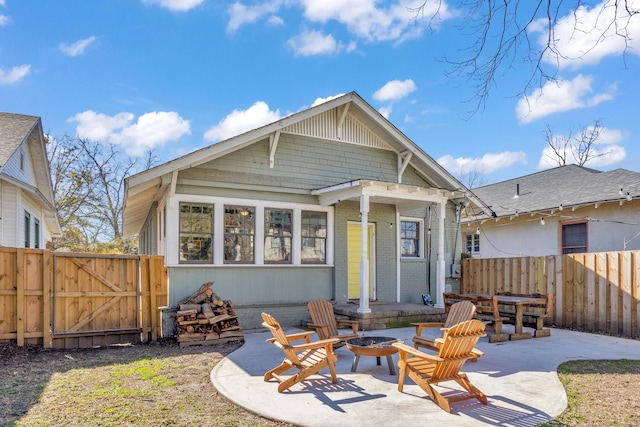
<point x="542" y="221"/>
<point x="629" y="196"/>
<point x="560" y="207"/>
<point x="478" y="231"/>
<point x="621" y="192"/>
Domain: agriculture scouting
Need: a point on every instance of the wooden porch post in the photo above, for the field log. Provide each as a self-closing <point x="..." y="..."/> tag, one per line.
<point x="440" y="266"/>
<point x="364" y="260"/>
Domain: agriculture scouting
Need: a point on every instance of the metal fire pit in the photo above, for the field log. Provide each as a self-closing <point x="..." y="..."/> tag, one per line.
<point x="373" y="346"/>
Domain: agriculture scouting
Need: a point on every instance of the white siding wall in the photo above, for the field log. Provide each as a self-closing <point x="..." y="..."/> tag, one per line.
<point x="609" y="227"/>
<point x="12" y="168"/>
<point x="8" y="219"/>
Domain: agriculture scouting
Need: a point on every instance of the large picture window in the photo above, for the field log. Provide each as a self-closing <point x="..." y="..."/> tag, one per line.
<point x="574" y="238"/>
<point x="239" y="232"/>
<point x="196" y="233"/>
<point x="410" y="239"/>
<point x="314" y="237"/>
<point x="277" y="235"/>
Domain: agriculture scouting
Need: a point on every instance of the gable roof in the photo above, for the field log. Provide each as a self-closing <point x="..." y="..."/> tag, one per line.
<point x="568" y="185"/>
<point x="352" y="120"/>
<point x="16" y="129"/>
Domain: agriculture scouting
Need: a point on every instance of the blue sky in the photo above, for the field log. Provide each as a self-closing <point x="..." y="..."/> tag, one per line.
<point x="178" y="75"/>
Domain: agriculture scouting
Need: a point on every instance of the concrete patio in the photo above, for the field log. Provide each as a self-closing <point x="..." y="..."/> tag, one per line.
<point x="518" y="377"/>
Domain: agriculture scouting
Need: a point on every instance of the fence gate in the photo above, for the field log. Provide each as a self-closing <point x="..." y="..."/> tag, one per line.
<point x="95" y="297"/>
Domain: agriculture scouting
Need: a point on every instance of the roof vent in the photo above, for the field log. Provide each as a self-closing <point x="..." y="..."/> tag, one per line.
<point x="517" y="191"/>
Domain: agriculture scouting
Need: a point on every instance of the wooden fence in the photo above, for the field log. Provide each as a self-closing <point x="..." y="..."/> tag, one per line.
<point x="592" y="292"/>
<point x="64" y="300"/>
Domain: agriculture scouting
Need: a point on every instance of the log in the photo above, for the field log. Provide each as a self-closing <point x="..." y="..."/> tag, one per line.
<point x="201" y="289"/>
<point x="207" y="311"/>
<point x="230" y="334"/>
<point x="186" y="312"/>
<point x="218" y="319"/>
<point x="189" y="322"/>
<point x="186" y="307"/>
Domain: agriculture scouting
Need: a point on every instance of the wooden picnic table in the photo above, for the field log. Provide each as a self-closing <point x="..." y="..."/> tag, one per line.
<point x="517" y="301"/>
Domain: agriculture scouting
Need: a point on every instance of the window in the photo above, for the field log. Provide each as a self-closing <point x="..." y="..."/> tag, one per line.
<point x="27" y="229"/>
<point x="196" y="233"/>
<point x="239" y="230"/>
<point x="410" y="239"/>
<point x="36" y="233"/>
<point x="314" y="237"/>
<point x="277" y="236"/>
<point x="574" y="238"/>
<point x="473" y="243"/>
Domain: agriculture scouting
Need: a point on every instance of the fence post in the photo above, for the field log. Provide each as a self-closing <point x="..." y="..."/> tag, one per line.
<point x="47" y="299"/>
<point x="20" y="297"/>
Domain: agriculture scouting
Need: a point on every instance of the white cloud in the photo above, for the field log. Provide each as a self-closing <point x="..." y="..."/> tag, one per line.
<point x="386" y="111"/>
<point x="394" y="90"/>
<point x="604" y="152"/>
<point x="175" y="5"/>
<point x="364" y="19"/>
<point x="151" y="130"/>
<point x="240" y="15"/>
<point x="586" y="36"/>
<point x="319" y="101"/>
<point x="14" y="75"/>
<point x="563" y="95"/>
<point x="78" y="47"/>
<point x="4" y="20"/>
<point x="488" y="163"/>
<point x="239" y="121"/>
<point x="309" y="43"/>
<point x="275" y="21"/>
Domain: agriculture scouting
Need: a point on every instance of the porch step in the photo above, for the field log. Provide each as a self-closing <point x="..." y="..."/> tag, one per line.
<point x="387" y="315"/>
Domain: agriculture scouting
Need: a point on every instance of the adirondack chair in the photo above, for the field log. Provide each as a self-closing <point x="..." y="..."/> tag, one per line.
<point x="427" y="370"/>
<point x="308" y="358"/>
<point x="326" y="325"/>
<point x="458" y="312"/>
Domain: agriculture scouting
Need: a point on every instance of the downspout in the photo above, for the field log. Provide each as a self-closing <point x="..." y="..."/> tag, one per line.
<point x="455" y="241"/>
<point x="429" y="250"/>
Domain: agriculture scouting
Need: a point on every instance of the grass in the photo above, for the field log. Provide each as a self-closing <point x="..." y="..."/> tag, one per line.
<point x="161" y="384"/>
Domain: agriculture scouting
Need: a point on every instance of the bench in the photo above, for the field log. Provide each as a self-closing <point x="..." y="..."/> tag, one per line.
<point x="486" y="311"/>
<point x="536" y="313"/>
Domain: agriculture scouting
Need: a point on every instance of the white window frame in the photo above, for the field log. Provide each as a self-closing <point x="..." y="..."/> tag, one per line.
<point x="421" y="237"/>
<point x="474" y="237"/>
<point x="171" y="243"/>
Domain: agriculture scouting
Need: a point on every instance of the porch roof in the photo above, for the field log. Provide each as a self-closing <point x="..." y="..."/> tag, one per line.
<point x="402" y="195"/>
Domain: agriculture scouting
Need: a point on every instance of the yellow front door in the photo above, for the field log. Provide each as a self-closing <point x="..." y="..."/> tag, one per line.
<point x="354" y="255"/>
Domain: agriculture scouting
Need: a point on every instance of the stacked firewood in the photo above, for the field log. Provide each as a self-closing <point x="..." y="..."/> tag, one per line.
<point x="203" y="318"/>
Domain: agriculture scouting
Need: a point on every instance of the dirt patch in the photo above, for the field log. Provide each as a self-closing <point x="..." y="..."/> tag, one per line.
<point x="135" y="385"/>
<point x="162" y="384"/>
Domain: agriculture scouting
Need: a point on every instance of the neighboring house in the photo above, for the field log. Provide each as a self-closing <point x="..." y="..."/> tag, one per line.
<point x="28" y="217"/>
<point x="563" y="210"/>
<point x="333" y="202"/>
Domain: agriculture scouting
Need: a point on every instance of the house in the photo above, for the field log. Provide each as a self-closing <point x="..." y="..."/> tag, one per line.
<point x="333" y="202"/>
<point x="563" y="210"/>
<point x="28" y="217"/>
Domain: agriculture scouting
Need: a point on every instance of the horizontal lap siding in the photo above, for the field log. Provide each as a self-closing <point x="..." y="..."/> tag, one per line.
<point x="302" y="163"/>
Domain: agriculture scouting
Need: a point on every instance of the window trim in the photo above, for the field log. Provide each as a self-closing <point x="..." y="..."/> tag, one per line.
<point x="171" y="243"/>
<point x="421" y="237"/>
<point x="212" y="234"/>
<point x="27" y="229"/>
<point x="586" y="236"/>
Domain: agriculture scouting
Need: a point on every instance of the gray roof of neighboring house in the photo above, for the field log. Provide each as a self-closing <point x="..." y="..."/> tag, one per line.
<point x="14" y="128"/>
<point x="568" y="185"/>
